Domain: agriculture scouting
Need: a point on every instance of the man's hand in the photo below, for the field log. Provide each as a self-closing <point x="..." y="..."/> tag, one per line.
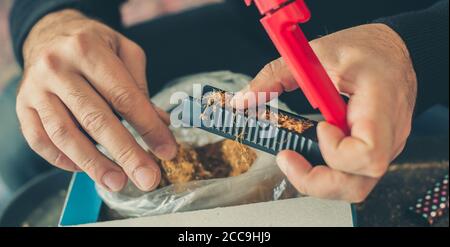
<point x="78" y="73"/>
<point x="371" y="65"/>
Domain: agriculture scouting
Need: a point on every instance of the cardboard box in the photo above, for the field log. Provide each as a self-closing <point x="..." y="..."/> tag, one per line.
<point x="82" y="208"/>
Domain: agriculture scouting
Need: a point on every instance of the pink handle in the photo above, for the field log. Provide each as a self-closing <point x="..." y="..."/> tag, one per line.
<point x="281" y="23"/>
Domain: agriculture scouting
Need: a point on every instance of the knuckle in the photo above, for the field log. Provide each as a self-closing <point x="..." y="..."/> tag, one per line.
<point x="350" y="51"/>
<point x="129" y="160"/>
<point x="88" y="165"/>
<point x="94" y="121"/>
<point x="376" y="162"/>
<point x="78" y="98"/>
<point x="137" y="52"/>
<point x="340" y="181"/>
<point x="58" y="132"/>
<point x="35" y="139"/>
<point x="338" y="78"/>
<point x="45" y="110"/>
<point x="58" y="159"/>
<point x="319" y="46"/>
<point x="50" y="61"/>
<point x="359" y="196"/>
<point x="26" y="96"/>
<point x="302" y="188"/>
<point x="46" y="114"/>
<point x="123" y="100"/>
<point x="81" y="43"/>
<point x="378" y="170"/>
<point x="151" y="131"/>
<point x="375" y="155"/>
<point x="368" y="157"/>
<point x="270" y="69"/>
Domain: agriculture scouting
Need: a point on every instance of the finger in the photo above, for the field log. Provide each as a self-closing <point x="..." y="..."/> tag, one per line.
<point x="37" y="138"/>
<point x="135" y="61"/>
<point x="274" y="79"/>
<point x="369" y="149"/>
<point x="163" y="115"/>
<point x="97" y="119"/>
<point x="68" y="138"/>
<point x="277" y="78"/>
<point x="322" y="181"/>
<point x="113" y="81"/>
<point x="351" y="154"/>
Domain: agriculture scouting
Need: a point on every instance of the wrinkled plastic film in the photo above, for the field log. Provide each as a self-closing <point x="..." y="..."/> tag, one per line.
<point x="263" y="182"/>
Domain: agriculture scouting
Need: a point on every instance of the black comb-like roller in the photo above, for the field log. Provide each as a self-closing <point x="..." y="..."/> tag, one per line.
<point x="259" y="133"/>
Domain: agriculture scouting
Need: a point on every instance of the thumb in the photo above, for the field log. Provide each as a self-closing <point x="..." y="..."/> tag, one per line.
<point x="274" y="79"/>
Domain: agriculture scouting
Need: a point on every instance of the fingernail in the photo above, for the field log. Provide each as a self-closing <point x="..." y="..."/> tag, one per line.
<point x="146" y="178"/>
<point x="114" y="180"/>
<point x="166" y="151"/>
<point x="282" y="164"/>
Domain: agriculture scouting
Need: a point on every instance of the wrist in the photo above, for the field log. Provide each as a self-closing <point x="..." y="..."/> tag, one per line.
<point x="46" y="26"/>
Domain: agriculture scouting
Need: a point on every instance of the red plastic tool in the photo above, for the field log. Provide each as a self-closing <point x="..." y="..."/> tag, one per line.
<point x="281" y="19"/>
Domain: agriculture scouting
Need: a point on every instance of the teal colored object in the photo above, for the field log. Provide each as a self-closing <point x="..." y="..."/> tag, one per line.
<point x="83" y="204"/>
<point x="354" y="215"/>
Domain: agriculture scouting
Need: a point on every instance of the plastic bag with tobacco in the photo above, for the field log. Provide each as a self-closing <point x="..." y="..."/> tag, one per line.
<point x="208" y="171"/>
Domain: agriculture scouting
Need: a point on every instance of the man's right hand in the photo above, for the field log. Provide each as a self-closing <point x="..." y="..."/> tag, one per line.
<point x="78" y="72"/>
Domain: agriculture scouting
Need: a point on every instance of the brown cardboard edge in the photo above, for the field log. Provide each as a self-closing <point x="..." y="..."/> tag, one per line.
<point x="298" y="212"/>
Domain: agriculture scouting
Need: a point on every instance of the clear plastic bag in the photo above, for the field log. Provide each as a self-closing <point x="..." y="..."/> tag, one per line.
<point x="263" y="182"/>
